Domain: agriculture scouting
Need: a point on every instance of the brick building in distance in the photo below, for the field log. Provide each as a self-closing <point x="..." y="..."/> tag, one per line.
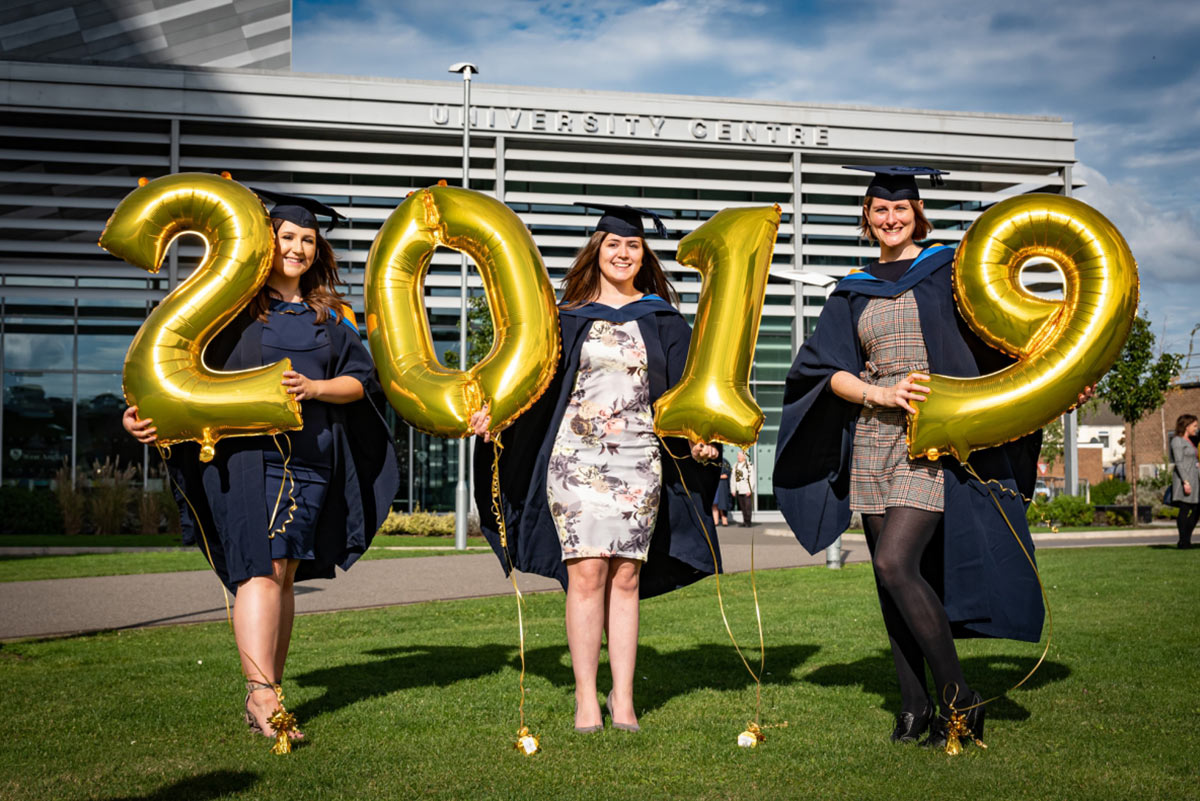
<point x="1103" y="437"/>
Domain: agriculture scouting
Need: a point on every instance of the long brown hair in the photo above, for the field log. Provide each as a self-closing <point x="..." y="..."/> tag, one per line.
<point x="1182" y="423"/>
<point x="318" y="285"/>
<point x="581" y="284"/>
<point x="921" y="224"/>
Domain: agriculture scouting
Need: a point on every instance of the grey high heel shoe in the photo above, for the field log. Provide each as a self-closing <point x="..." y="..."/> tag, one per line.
<point x="588" y="729"/>
<point x="615" y="725"/>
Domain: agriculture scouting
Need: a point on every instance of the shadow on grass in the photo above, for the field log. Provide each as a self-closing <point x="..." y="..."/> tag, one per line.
<point x="215" y="784"/>
<point x="987" y="674"/>
<point x="403" y="668"/>
<point x="678" y="672"/>
<point x="669" y="673"/>
<point x="1171" y="547"/>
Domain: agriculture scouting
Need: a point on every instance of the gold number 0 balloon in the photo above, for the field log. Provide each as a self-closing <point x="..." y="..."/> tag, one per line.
<point x="165" y="375"/>
<point x="1061" y="346"/>
<point x="524" y="354"/>
<point x="712" y="400"/>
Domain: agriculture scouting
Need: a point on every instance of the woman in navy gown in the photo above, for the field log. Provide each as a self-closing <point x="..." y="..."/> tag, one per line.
<point x="946" y="562"/>
<point x="590" y="495"/>
<point x="239" y="507"/>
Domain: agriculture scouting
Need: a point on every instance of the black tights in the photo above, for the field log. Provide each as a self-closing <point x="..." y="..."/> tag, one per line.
<point x="914" y="616"/>
<point x="1186" y="523"/>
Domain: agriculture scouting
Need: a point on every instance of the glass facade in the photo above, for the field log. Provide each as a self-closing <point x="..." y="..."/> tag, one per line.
<point x="70" y="311"/>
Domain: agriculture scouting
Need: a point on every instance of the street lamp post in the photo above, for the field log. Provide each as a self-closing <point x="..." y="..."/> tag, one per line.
<point x="462" y="492"/>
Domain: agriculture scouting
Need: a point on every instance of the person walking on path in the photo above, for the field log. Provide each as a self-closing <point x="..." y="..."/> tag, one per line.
<point x="1185" y="477"/>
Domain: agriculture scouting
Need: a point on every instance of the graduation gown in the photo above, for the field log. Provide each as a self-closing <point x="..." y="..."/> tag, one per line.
<point x="227" y="494"/>
<point x="975" y="563"/>
<point x="679" y="554"/>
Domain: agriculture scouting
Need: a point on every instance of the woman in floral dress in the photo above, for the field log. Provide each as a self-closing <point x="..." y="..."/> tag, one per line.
<point x="584" y="466"/>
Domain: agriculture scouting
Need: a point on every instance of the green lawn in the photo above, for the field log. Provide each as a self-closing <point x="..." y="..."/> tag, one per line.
<point x="420" y="701"/>
<point x="30" y="568"/>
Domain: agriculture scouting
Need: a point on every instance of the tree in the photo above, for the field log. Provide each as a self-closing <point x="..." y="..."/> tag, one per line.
<point x="1052" y="442"/>
<point x="1136" y="385"/>
<point x="479" y="333"/>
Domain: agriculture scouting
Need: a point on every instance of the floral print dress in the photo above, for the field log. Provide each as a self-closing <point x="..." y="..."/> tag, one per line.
<point x="604" y="472"/>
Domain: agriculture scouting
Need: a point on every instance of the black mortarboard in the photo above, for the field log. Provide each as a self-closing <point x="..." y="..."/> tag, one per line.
<point x="898" y="183"/>
<point x="302" y="211"/>
<point x="625" y="220"/>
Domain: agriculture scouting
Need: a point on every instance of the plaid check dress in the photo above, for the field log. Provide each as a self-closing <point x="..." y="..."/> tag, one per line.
<point x="881" y="474"/>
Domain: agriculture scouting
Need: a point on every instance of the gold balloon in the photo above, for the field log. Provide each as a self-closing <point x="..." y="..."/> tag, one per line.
<point x="524" y="354"/>
<point x="165" y="375"/>
<point x="1061" y="346"/>
<point x="712" y="401"/>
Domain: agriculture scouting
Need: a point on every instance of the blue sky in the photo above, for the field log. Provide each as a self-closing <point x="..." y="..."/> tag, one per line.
<point x="1126" y="73"/>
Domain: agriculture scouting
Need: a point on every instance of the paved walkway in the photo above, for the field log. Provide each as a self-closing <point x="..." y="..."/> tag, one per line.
<point x="57" y="607"/>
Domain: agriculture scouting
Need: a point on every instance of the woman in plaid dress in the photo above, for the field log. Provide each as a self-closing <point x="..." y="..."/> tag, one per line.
<point x="842" y="447"/>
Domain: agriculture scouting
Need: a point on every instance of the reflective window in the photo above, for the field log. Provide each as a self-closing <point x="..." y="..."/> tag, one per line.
<point x="98" y="421"/>
<point x="37" y="425"/>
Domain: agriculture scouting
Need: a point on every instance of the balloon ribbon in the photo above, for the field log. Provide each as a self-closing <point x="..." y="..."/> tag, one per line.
<point x="281" y="720"/>
<point x="290" y="482"/>
<point x="526" y="743"/>
<point x="958" y="727"/>
<point x="752" y="735"/>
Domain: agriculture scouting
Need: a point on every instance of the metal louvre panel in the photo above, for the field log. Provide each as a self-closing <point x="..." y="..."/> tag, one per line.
<point x="681" y="204"/>
<point x="366" y="173"/>
<point x="664" y="159"/>
<point x="832" y="198"/>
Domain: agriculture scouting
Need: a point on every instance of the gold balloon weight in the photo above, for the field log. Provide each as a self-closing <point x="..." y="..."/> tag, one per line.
<point x="526" y="743"/>
<point x="751" y="737"/>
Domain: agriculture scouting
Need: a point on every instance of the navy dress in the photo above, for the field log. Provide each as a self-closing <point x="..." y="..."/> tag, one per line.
<point x="342" y="460"/>
<point x="291" y="332"/>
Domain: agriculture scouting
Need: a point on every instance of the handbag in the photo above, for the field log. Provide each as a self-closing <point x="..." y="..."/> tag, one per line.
<point x="1169" y="494"/>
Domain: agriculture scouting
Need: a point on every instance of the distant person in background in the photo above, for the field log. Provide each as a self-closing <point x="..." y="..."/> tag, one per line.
<point x="723" y="503"/>
<point x="743" y="486"/>
<point x="1185" y="477"/>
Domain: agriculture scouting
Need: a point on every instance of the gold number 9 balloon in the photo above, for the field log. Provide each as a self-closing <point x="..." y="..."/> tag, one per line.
<point x="524" y="354"/>
<point x="712" y="400"/>
<point x="1061" y="346"/>
<point x="165" y="375"/>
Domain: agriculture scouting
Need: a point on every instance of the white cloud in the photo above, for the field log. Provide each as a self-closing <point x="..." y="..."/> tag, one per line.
<point x="1125" y="73"/>
<point x="1166" y="244"/>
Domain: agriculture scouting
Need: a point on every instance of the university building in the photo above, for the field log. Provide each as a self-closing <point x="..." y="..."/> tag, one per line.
<point x="212" y="92"/>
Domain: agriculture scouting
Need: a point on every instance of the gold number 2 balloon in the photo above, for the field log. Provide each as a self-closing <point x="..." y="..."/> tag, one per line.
<point x="712" y="400"/>
<point x="1061" y="346"/>
<point x="165" y="375"/>
<point x="524" y="354"/>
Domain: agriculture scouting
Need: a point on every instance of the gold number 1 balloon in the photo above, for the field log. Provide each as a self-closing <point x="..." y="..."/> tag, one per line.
<point x="712" y="401"/>
<point x="165" y="375"/>
<point x="1061" y="346"/>
<point x="524" y="354"/>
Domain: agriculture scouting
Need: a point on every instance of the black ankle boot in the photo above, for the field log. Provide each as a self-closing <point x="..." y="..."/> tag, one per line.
<point x="910" y="727"/>
<point x="950" y="731"/>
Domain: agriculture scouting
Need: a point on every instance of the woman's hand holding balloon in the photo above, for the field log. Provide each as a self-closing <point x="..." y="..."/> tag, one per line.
<point x="479" y="423"/>
<point x="704" y="452"/>
<point x="141" y="430"/>
<point x="899" y="395"/>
